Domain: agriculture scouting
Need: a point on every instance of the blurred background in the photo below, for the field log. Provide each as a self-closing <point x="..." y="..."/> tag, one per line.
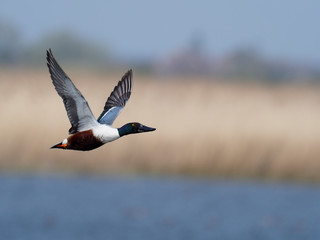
<point x="231" y="86"/>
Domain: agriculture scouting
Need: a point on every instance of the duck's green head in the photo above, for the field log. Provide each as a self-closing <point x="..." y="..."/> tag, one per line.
<point x="134" y="127"/>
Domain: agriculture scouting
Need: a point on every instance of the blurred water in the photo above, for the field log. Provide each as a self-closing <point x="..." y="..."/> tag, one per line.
<point x="79" y="207"/>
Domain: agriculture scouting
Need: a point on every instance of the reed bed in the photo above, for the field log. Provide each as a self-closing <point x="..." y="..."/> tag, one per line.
<point x="204" y="127"/>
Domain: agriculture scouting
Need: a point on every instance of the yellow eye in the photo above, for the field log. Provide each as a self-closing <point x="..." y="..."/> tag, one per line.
<point x="132" y="124"/>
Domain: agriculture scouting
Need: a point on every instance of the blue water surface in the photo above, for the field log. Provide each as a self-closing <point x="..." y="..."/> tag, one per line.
<point x="34" y="207"/>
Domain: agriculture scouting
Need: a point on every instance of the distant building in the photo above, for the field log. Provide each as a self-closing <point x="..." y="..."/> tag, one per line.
<point x="190" y="61"/>
<point x="186" y="62"/>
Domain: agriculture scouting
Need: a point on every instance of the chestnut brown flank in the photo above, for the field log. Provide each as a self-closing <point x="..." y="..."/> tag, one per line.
<point x="83" y="141"/>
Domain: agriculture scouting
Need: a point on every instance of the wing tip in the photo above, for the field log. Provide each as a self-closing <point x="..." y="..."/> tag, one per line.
<point x="127" y="77"/>
<point x="128" y="73"/>
<point x="49" y="52"/>
<point x="50" y="57"/>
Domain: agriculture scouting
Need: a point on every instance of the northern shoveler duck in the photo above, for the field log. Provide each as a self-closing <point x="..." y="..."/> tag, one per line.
<point x="87" y="133"/>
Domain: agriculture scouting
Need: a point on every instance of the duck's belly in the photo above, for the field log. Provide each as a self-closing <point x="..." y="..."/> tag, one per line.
<point x="84" y="141"/>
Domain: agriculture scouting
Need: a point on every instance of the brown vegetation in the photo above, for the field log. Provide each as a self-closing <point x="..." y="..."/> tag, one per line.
<point x="203" y="127"/>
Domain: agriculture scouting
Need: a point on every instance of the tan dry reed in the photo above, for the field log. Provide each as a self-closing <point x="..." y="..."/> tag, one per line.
<point x="203" y="127"/>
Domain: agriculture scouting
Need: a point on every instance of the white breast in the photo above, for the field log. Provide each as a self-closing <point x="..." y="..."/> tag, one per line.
<point x="105" y="133"/>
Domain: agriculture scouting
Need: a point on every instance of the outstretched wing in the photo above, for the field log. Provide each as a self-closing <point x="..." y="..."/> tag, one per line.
<point x="117" y="100"/>
<point x="78" y="111"/>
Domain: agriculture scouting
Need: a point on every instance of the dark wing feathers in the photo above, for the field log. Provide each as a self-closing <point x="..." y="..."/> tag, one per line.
<point x="117" y="100"/>
<point x="78" y="111"/>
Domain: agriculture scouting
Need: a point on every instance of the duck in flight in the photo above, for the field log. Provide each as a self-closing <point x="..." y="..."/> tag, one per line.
<point x="87" y="133"/>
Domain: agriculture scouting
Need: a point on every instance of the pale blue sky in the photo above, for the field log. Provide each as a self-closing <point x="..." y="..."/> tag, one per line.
<point x="148" y="29"/>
